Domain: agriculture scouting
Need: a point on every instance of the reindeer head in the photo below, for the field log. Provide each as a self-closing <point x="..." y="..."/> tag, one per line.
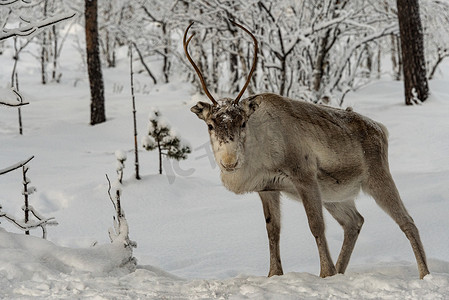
<point x="227" y="118"/>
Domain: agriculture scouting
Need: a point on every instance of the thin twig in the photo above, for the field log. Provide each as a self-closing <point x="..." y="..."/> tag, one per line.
<point x="143" y="63"/>
<point x="30" y="226"/>
<point x="13" y="104"/>
<point x="136" y="150"/>
<point x="109" y="192"/>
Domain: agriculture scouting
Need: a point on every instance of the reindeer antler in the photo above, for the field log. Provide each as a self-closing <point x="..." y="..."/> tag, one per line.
<point x="186" y="42"/>
<point x="256" y="47"/>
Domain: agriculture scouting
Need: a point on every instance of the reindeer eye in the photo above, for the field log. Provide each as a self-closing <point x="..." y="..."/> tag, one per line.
<point x="243" y="124"/>
<point x="210" y="126"/>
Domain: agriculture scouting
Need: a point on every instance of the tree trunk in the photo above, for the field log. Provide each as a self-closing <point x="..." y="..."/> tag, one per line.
<point x="318" y="70"/>
<point x="245" y="67"/>
<point x="160" y="156"/>
<point x="412" y="47"/>
<point x="54" y="75"/>
<point x="97" y="109"/>
<point x="283" y="76"/>
<point x="395" y="58"/>
<point x="234" y="63"/>
<point x="167" y="64"/>
<point x="214" y="65"/>
<point x="44" y="54"/>
<point x="234" y="68"/>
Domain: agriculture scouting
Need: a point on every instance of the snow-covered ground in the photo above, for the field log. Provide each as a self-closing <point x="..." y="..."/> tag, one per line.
<point x="195" y="239"/>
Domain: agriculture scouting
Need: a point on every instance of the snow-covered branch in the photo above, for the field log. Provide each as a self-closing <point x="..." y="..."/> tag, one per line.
<point x="26" y="226"/>
<point x="9" y="102"/>
<point x="30" y="225"/>
<point x="16" y="166"/>
<point x="349" y="52"/>
<point x="34" y="27"/>
<point x="8" y="2"/>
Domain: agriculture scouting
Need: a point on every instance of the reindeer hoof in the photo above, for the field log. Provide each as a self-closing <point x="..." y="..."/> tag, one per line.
<point x="328" y="272"/>
<point x="423" y="274"/>
<point x="275" y="273"/>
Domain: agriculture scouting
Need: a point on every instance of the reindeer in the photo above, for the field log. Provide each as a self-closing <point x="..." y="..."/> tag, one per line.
<point x="316" y="154"/>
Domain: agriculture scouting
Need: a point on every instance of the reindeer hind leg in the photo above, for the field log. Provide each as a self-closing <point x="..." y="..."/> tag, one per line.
<point x="351" y="220"/>
<point x="382" y="188"/>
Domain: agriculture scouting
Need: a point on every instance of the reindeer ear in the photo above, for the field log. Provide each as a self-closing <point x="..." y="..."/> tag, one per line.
<point x="251" y="104"/>
<point x="202" y="110"/>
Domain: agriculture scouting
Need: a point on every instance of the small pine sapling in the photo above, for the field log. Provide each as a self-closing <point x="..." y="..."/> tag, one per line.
<point x="162" y="137"/>
<point x="121" y="158"/>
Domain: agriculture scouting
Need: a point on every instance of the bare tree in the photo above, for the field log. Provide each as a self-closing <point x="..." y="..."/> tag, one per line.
<point x="52" y="41"/>
<point x="15" y="78"/>
<point x="412" y="46"/>
<point x="97" y="106"/>
<point x="163" y="32"/>
<point x="436" y="36"/>
<point x="308" y="49"/>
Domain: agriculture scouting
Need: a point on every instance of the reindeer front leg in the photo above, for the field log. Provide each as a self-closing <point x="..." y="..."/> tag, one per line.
<point x="272" y="212"/>
<point x="311" y="198"/>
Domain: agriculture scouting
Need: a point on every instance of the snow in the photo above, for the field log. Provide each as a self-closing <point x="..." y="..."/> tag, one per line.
<point x="195" y="239"/>
<point x="148" y="142"/>
<point x="120" y="155"/>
